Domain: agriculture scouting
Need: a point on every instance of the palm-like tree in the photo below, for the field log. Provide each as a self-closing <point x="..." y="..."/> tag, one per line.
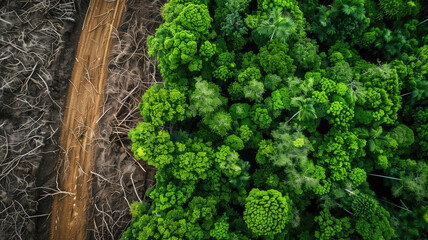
<point x="420" y="91"/>
<point x="306" y="109"/>
<point x="277" y="25"/>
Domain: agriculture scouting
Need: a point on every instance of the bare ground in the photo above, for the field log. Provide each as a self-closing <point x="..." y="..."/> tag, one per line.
<point x="85" y="101"/>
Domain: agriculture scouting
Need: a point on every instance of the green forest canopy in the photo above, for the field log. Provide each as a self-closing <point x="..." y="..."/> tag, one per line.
<point x="285" y="119"/>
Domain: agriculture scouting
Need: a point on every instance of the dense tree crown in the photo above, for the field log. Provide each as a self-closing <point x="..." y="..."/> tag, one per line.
<point x="286" y="119"/>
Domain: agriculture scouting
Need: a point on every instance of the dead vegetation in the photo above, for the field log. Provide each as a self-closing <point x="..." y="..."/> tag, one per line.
<point x="119" y="179"/>
<point x="30" y="41"/>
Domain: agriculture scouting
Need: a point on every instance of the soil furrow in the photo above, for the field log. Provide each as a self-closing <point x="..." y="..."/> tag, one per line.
<point x="70" y="211"/>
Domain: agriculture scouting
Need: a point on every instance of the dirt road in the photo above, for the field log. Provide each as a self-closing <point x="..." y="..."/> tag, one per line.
<point x="69" y="217"/>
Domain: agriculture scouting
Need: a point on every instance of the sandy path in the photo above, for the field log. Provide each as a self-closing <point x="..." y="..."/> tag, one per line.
<point x="69" y="217"/>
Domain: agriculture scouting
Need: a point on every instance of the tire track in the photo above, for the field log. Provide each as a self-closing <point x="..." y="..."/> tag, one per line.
<point x="70" y="210"/>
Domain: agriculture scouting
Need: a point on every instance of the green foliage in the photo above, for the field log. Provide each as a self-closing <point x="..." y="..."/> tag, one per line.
<point x="228" y="160"/>
<point x="285" y="119"/>
<point x="254" y="91"/>
<point x="421" y="129"/>
<point x="340" y="20"/>
<point x="403" y="135"/>
<point x="193" y="160"/>
<point x="195" y="18"/>
<point x="223" y="73"/>
<point x="239" y="110"/>
<point x="420" y="91"/>
<point x="269" y="4"/>
<point x="249" y="59"/>
<point x="183" y="50"/>
<point x="331" y="227"/>
<point x="341" y="72"/>
<point x="341" y="114"/>
<point x="220" y="123"/>
<point x="306" y="108"/>
<point x="272" y="82"/>
<point x="207" y="50"/>
<point x="205" y="99"/>
<point x="376" y="227"/>
<point x="281" y="99"/>
<point x="233" y="25"/>
<point x="221" y="229"/>
<point x="337" y="151"/>
<point x="319" y="97"/>
<point x="265" y="152"/>
<point x="226" y="65"/>
<point x="414" y="180"/>
<point x="234" y="142"/>
<point x="152" y="145"/>
<point x="276" y="26"/>
<point x="304" y="52"/>
<point x="357" y="176"/>
<point x="261" y="118"/>
<point x="249" y="74"/>
<point x="162" y="105"/>
<point x="398" y="8"/>
<point x="168" y="195"/>
<point x="326" y="85"/>
<point x="364" y="206"/>
<point x="266" y="212"/>
<point x="274" y="59"/>
<point x="291" y="147"/>
<point x="203" y="211"/>
<point x="382" y="94"/>
<point x="178" y="223"/>
<point x="245" y="133"/>
<point x="138" y="209"/>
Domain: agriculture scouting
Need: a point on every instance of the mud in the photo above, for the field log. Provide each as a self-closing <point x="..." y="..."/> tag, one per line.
<point x="85" y="99"/>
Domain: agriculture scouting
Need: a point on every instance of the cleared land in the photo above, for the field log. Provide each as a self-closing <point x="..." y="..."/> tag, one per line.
<point x="83" y="109"/>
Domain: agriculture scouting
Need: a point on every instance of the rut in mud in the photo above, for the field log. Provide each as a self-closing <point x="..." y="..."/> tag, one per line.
<point x="84" y="107"/>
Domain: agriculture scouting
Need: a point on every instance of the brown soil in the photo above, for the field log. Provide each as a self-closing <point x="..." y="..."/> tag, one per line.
<point x="85" y="101"/>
